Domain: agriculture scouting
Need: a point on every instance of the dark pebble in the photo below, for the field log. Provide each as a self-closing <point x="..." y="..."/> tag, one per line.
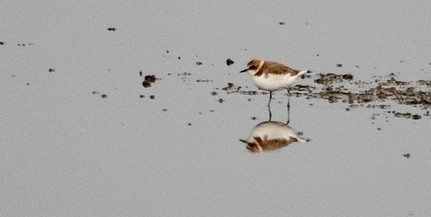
<point x="51" y="70"/>
<point x="1" y="43"/>
<point x="220" y="100"/>
<point x="146" y="84"/>
<point x="150" y="78"/>
<point x="104" y="95"/>
<point x="339" y="65"/>
<point x="152" y="97"/>
<point x="189" y="124"/>
<point x="214" y="93"/>
<point x="140" y="73"/>
<point x="407" y="155"/>
<point x="141" y="96"/>
<point x="416" y="117"/>
<point x="229" y="62"/>
<point x="282" y="23"/>
<point x="347" y="76"/>
<point x="112" y="29"/>
<point x="198" y="63"/>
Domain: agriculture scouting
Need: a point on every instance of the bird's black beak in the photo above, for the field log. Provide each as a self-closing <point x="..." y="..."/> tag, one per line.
<point x="243" y="70"/>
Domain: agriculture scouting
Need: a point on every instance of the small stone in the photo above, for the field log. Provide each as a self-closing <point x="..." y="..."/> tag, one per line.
<point x="104" y="95"/>
<point x="141" y="96"/>
<point x="198" y="63"/>
<point x="150" y="78"/>
<point x="220" y="100"/>
<point x="152" y="97"/>
<point x="214" y="93"/>
<point x="407" y="155"/>
<point x="112" y="29"/>
<point x="51" y="70"/>
<point x="140" y="73"/>
<point x="282" y="23"/>
<point x="339" y="65"/>
<point x="347" y="76"/>
<point x="146" y="84"/>
<point x="416" y="117"/>
<point x="189" y="124"/>
<point x="229" y="62"/>
<point x="1" y="43"/>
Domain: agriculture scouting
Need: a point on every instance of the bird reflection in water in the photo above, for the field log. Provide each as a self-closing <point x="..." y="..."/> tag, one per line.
<point x="271" y="135"/>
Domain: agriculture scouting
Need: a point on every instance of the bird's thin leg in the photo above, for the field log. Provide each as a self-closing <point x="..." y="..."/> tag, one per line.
<point x="288" y="106"/>
<point x="269" y="105"/>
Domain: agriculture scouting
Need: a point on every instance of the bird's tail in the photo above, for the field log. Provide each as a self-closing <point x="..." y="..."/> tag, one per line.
<point x="303" y="72"/>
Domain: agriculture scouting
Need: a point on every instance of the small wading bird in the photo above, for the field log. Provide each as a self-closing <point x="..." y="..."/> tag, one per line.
<point x="273" y="76"/>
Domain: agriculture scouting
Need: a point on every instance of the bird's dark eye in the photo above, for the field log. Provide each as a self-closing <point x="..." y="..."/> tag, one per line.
<point x="251" y="145"/>
<point x="252" y="67"/>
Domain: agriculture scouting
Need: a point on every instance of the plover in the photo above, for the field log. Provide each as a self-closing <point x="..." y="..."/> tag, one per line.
<point x="272" y="76"/>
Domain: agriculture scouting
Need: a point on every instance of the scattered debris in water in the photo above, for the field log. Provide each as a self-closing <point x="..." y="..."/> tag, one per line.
<point x="343" y="88"/>
<point x="201" y="80"/>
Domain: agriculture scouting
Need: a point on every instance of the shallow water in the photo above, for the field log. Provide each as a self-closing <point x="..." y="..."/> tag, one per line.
<point x="87" y="139"/>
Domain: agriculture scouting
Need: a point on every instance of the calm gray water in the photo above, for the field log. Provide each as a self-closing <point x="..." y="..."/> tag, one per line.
<point x="67" y="151"/>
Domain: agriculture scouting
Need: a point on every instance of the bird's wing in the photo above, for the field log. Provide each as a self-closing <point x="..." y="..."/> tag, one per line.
<point x="278" y="68"/>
